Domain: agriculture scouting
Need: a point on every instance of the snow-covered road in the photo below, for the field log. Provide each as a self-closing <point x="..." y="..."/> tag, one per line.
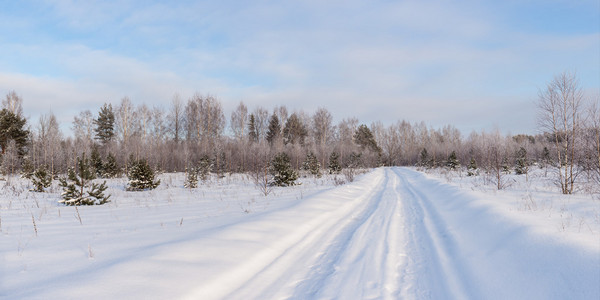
<point x="398" y="235"/>
<point x="392" y="234"/>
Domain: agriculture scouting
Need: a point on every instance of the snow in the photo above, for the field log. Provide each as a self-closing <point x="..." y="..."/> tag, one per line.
<point x="393" y="233"/>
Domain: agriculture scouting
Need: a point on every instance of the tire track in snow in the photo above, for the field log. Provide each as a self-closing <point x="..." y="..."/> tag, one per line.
<point x="363" y="261"/>
<point x="291" y="254"/>
<point x="434" y="269"/>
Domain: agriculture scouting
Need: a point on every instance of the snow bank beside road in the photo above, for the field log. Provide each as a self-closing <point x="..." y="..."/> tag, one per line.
<point x="516" y="253"/>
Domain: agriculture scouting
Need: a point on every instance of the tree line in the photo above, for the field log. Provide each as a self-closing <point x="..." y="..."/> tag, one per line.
<point x="197" y="131"/>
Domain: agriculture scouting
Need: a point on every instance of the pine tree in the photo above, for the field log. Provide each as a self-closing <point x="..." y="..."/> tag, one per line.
<point x="294" y="131"/>
<point x="191" y="178"/>
<point x="141" y="177"/>
<point x="334" y="163"/>
<point x="96" y="162"/>
<point x="78" y="188"/>
<point x="252" y="132"/>
<point x="219" y="163"/>
<point x="41" y="179"/>
<point x="110" y="168"/>
<point x="13" y="127"/>
<point x="521" y="163"/>
<point x="364" y="137"/>
<point x="205" y="166"/>
<point x="274" y="130"/>
<point x="105" y="124"/>
<point x="452" y="162"/>
<point x="545" y="157"/>
<point x="505" y="166"/>
<point x="424" y="159"/>
<point x="472" y="167"/>
<point x="312" y="165"/>
<point x="354" y="160"/>
<point x="282" y="171"/>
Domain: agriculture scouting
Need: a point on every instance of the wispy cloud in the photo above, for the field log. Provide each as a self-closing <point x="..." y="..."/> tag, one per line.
<point x="464" y="63"/>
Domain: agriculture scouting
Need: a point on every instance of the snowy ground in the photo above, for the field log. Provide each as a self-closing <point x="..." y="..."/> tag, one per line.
<point x="392" y="233"/>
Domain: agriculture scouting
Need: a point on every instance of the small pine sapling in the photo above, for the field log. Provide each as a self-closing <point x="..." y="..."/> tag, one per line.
<point x="312" y="165"/>
<point x="334" y="163"/>
<point x="191" y="179"/>
<point x="110" y="168"/>
<point x="521" y="163"/>
<point x="78" y="188"/>
<point x="141" y="177"/>
<point x="41" y="179"/>
<point x="424" y="158"/>
<point x="546" y="161"/>
<point x="219" y="164"/>
<point x="505" y="166"/>
<point x="205" y="166"/>
<point x="282" y="171"/>
<point x="27" y="168"/>
<point x="96" y="162"/>
<point x="472" y="167"/>
<point x="452" y="162"/>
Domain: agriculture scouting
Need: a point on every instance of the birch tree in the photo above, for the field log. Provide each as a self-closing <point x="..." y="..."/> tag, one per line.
<point x="559" y="115"/>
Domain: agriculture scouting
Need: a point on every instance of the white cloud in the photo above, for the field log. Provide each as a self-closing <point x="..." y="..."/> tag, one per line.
<point x="437" y="61"/>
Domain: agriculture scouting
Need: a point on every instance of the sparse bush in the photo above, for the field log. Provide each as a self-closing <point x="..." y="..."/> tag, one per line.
<point x="262" y="180"/>
<point x="338" y="181"/>
<point x="349" y="174"/>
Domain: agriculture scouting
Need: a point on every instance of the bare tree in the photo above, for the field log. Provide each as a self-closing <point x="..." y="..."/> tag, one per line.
<point x="143" y="122"/>
<point x="592" y="138"/>
<point x="49" y="138"/>
<point x="192" y="119"/>
<point x="322" y="126"/>
<point x="213" y="121"/>
<point x="13" y="103"/>
<point x="559" y="114"/>
<point x="239" y="120"/>
<point x="10" y="158"/>
<point x="83" y="129"/>
<point x="175" y="118"/>
<point x="391" y="144"/>
<point x="495" y="157"/>
<point x="323" y="131"/>
<point x="345" y="137"/>
<point x="261" y="122"/>
<point x="282" y="113"/>
<point x="124" y="120"/>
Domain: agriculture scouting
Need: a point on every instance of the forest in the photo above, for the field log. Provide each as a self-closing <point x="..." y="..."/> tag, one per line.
<point x="196" y="132"/>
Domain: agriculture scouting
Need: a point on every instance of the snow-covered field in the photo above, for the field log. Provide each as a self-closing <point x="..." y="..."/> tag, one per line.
<point x="393" y="233"/>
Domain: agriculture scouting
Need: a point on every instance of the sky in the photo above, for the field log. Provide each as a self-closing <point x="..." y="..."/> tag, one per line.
<point x="477" y="65"/>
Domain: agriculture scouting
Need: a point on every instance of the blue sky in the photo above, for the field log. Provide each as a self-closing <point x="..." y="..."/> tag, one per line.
<point x="476" y="65"/>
